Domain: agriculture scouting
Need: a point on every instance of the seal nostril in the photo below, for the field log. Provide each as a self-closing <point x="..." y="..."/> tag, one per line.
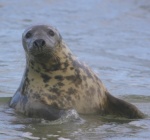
<point x="39" y="43"/>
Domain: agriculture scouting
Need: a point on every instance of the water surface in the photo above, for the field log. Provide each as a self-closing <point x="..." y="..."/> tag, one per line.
<point x="113" y="37"/>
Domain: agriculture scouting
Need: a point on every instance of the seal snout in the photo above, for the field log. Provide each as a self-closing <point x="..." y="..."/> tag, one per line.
<point x="39" y="43"/>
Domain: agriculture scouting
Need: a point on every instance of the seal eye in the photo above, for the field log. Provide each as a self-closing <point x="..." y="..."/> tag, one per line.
<point x="51" y="33"/>
<point x="28" y="35"/>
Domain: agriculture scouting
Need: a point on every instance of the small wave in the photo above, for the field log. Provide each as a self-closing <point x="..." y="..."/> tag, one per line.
<point x="69" y="116"/>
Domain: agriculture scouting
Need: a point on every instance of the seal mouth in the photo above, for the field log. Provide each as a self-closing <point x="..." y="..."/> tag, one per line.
<point x="43" y="54"/>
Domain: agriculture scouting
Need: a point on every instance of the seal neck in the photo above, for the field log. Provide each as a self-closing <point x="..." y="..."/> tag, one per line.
<point x="61" y="61"/>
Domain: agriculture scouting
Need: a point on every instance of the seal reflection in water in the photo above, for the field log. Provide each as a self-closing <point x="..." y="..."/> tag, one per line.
<point x="55" y="81"/>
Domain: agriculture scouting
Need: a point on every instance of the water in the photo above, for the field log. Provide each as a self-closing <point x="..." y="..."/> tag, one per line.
<point x="113" y="37"/>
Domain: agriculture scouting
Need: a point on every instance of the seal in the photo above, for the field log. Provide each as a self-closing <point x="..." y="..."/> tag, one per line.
<point x="55" y="81"/>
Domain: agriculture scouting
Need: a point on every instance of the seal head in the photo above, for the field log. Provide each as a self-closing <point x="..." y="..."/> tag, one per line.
<point x="40" y="42"/>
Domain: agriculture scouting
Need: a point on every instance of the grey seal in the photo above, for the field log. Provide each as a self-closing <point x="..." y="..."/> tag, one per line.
<point x="55" y="81"/>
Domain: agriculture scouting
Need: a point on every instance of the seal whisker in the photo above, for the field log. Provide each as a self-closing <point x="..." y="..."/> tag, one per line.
<point x="56" y="58"/>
